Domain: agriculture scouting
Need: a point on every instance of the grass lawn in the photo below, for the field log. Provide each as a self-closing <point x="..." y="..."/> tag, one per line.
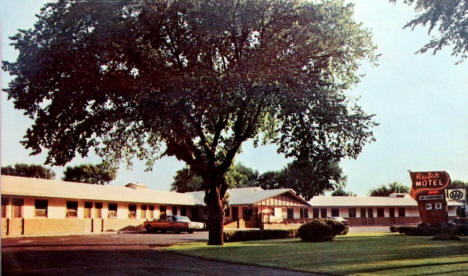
<point x="363" y="254"/>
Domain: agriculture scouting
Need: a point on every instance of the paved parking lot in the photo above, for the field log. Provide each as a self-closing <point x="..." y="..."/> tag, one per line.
<point x="115" y="254"/>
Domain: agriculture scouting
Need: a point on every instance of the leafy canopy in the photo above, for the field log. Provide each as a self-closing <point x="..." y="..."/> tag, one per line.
<point x="306" y="178"/>
<point x="386" y="190"/>
<point x="341" y="192"/>
<point x="87" y="173"/>
<point x="28" y="170"/>
<point x="449" y="18"/>
<point x="191" y="79"/>
<point x="238" y="176"/>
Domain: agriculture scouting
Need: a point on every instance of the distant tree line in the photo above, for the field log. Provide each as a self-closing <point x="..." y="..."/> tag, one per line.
<point x="28" y="170"/>
<point x="85" y="173"/>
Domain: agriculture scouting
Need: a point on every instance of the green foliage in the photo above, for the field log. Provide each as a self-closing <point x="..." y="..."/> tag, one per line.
<point x="196" y="78"/>
<point x="87" y="173"/>
<point x="29" y="170"/>
<point x="341" y="192"/>
<point x="238" y="176"/>
<point x="386" y="190"/>
<point x="458" y="184"/>
<point x="186" y="181"/>
<point x="320" y="230"/>
<point x="447" y="20"/>
<point x="249" y="235"/>
<point x="307" y="178"/>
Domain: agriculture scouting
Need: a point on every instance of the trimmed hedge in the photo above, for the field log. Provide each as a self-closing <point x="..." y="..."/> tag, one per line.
<point x="321" y="230"/>
<point x="429" y="230"/>
<point x="249" y="235"/>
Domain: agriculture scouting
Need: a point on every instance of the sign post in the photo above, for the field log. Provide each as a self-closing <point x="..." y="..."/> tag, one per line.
<point x="428" y="190"/>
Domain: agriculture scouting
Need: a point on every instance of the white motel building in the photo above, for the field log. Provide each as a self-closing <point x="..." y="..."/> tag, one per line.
<point x="32" y="206"/>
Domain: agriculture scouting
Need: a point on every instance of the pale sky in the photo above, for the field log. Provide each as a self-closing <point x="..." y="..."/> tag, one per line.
<point x="420" y="102"/>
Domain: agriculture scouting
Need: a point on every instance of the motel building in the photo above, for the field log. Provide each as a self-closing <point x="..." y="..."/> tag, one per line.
<point x="32" y="206"/>
<point x="373" y="210"/>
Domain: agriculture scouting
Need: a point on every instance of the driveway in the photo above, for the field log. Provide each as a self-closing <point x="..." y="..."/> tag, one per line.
<point x="115" y="254"/>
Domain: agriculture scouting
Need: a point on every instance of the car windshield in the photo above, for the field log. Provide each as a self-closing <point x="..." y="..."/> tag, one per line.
<point x="181" y="218"/>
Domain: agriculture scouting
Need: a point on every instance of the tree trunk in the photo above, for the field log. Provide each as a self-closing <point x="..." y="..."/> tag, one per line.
<point x="214" y="203"/>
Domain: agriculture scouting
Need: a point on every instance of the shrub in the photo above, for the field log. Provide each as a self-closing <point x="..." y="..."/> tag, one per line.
<point x="320" y="230"/>
<point x="249" y="235"/>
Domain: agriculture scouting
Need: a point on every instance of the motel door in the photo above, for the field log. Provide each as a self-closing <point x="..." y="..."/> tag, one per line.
<point x="235" y="213"/>
<point x="391" y="212"/>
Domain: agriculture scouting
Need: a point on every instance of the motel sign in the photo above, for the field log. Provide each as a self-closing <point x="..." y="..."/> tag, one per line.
<point x="428" y="190"/>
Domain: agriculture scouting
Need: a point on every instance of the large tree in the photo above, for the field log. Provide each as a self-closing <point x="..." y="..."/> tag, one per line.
<point x="386" y="190"/>
<point x="88" y="173"/>
<point x="307" y="178"/>
<point x="29" y="170"/>
<point x="447" y="20"/>
<point x="192" y="79"/>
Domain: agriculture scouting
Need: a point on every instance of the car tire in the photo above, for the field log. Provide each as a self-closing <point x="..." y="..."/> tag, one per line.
<point x="190" y="231"/>
<point x="149" y="229"/>
<point x="177" y="231"/>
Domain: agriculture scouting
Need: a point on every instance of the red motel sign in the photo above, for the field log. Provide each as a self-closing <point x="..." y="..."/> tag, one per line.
<point x="428" y="190"/>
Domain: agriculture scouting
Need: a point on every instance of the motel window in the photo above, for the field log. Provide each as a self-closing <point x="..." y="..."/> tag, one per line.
<point x="98" y="210"/>
<point x="143" y="211"/>
<point x="370" y="212"/>
<point x="87" y="209"/>
<point x="5" y="202"/>
<point x="380" y="212"/>
<point x="391" y="212"/>
<point x="151" y="211"/>
<point x="162" y="212"/>
<point x="40" y="207"/>
<point x="301" y="213"/>
<point x="306" y="213"/>
<point x="174" y="210"/>
<point x="401" y="212"/>
<point x="227" y="212"/>
<point x="323" y="212"/>
<point x="72" y="209"/>
<point x="17" y="210"/>
<point x="112" y="210"/>
<point x="352" y="212"/>
<point x="315" y="212"/>
<point x="363" y="212"/>
<point x="131" y="210"/>
<point x="335" y="212"/>
<point x="183" y="211"/>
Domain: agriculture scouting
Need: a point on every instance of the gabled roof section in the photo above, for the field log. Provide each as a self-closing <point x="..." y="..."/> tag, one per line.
<point x="25" y="186"/>
<point x="252" y="195"/>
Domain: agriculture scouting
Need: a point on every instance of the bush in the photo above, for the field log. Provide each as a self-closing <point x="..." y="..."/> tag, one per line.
<point x="249" y="235"/>
<point x="321" y="230"/>
<point x="429" y="230"/>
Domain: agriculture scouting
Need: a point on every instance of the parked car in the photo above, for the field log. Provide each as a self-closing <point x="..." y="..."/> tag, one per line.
<point x="340" y="219"/>
<point x="344" y="221"/>
<point x="461" y="225"/>
<point x="176" y="224"/>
